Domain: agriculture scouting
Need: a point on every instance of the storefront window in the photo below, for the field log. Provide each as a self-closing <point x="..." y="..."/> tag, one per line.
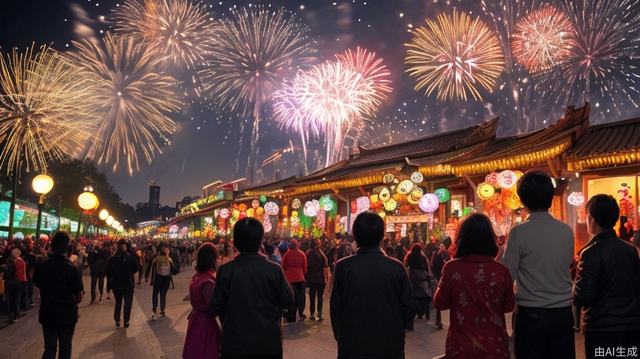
<point x="625" y="190"/>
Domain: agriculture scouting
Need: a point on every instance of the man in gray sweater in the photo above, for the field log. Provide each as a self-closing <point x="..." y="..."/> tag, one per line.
<point x="538" y="255"/>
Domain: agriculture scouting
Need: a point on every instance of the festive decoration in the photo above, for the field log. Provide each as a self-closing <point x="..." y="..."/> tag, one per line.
<point x="88" y="201"/>
<point x="296" y="203"/>
<point x="271" y="208"/>
<point x="507" y="179"/>
<point x="388" y="178"/>
<point x="485" y="190"/>
<point x="576" y="199"/>
<point x="242" y="207"/>
<point x="417" y="177"/>
<point x="311" y="208"/>
<point x="405" y="187"/>
<point x="263" y="199"/>
<point x="384" y="195"/>
<point x="443" y="194"/>
<point x="259" y="211"/>
<point x="363" y="204"/>
<point x="625" y="201"/>
<point x="429" y="203"/>
<point x="492" y="179"/>
<point x="390" y="205"/>
<point x="326" y="203"/>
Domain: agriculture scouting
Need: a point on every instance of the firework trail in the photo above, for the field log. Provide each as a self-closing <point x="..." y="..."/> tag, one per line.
<point x="133" y="100"/>
<point x="181" y="32"/>
<point x="42" y="113"/>
<point x="257" y="48"/>
<point x="454" y="56"/>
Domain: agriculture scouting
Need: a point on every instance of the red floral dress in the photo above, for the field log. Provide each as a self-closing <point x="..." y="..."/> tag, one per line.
<point x="478" y="291"/>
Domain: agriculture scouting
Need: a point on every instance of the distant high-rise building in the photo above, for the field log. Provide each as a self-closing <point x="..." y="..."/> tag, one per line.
<point x="154" y="195"/>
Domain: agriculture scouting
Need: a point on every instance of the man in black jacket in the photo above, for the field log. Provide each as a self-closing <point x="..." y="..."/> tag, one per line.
<point x="97" y="260"/>
<point x="608" y="283"/>
<point x="249" y="297"/>
<point x="371" y="302"/>
<point x="60" y="292"/>
<point x="120" y="271"/>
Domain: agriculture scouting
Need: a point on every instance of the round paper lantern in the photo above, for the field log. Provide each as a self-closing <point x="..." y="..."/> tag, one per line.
<point x="259" y="211"/>
<point x="388" y="178"/>
<point x="390" y="205"/>
<point x="326" y="203"/>
<point x="242" y="207"/>
<point x="417" y="177"/>
<point x="271" y="208"/>
<point x="507" y="179"/>
<point x="263" y="199"/>
<point x="255" y="203"/>
<point x="443" y="194"/>
<point x="236" y="214"/>
<point x="250" y="212"/>
<point x="405" y="187"/>
<point x="415" y="195"/>
<point x="374" y="198"/>
<point x="576" y="199"/>
<point x="492" y="179"/>
<point x="513" y="201"/>
<point x="363" y="203"/>
<point x="294" y="214"/>
<point x="310" y="210"/>
<point x="429" y="203"/>
<point x="295" y="204"/>
<point x="485" y="190"/>
<point x="385" y="194"/>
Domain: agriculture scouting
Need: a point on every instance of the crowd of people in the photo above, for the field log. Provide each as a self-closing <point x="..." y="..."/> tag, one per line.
<point x="243" y="290"/>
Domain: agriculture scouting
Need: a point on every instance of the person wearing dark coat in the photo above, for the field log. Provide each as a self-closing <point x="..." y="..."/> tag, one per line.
<point x="60" y="292"/>
<point x="121" y="269"/>
<point x="420" y="276"/>
<point x="97" y="260"/>
<point x="607" y="285"/>
<point x="250" y="295"/>
<point x="371" y="301"/>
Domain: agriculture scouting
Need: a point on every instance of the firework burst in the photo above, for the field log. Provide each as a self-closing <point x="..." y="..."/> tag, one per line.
<point x="333" y="99"/>
<point x="180" y="31"/>
<point x="42" y="113"/>
<point x="542" y="39"/>
<point x="256" y="49"/>
<point x="456" y="56"/>
<point x="132" y="98"/>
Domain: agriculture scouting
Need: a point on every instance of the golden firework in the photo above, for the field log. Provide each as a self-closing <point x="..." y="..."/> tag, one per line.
<point x="42" y="113"/>
<point x="180" y="31"/>
<point x="455" y="56"/>
<point x="131" y="97"/>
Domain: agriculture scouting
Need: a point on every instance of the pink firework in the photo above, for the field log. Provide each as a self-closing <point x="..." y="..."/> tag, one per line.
<point x="543" y="39"/>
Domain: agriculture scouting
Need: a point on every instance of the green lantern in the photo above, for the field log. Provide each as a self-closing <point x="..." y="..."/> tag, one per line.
<point x="263" y="199"/>
<point x="443" y="195"/>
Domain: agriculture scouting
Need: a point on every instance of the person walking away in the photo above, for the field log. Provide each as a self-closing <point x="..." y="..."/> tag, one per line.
<point x="249" y="296"/>
<point x="420" y="276"/>
<point x="61" y="291"/>
<point x="371" y="301"/>
<point x="440" y="257"/>
<point x="31" y="261"/>
<point x="160" y="278"/>
<point x="121" y="269"/>
<point x="538" y="254"/>
<point x="607" y="286"/>
<point x="15" y="278"/>
<point x="97" y="260"/>
<point x="294" y="264"/>
<point x="478" y="291"/>
<point x="203" y="332"/>
<point x="317" y="278"/>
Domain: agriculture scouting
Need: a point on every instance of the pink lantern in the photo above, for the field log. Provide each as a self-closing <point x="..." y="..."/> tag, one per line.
<point x="224" y="213"/>
<point x="507" y="179"/>
<point x="576" y="199"/>
<point x="492" y="179"/>
<point x="429" y="203"/>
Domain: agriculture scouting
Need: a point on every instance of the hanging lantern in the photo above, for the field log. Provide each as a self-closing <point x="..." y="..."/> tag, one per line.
<point x="405" y="187"/>
<point x="390" y="205"/>
<point x="388" y="178"/>
<point x="415" y="195"/>
<point x="259" y="211"/>
<point x="296" y="203"/>
<point x="384" y="195"/>
<point x="507" y="179"/>
<point x="417" y="177"/>
<point x="294" y="214"/>
<point x="310" y="210"/>
<point x="492" y="179"/>
<point x="250" y="212"/>
<point x="271" y="208"/>
<point x="263" y="199"/>
<point x="255" y="203"/>
<point x="242" y="207"/>
<point x="374" y="198"/>
<point x="443" y="195"/>
<point x="576" y="199"/>
<point x="429" y="203"/>
<point x="363" y="204"/>
<point x="513" y="201"/>
<point x="485" y="190"/>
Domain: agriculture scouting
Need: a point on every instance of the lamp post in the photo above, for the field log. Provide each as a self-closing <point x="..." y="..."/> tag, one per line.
<point x="42" y="184"/>
<point x="87" y="201"/>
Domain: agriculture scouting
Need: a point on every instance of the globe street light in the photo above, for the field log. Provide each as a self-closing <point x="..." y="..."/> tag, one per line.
<point x="42" y="184"/>
<point x="109" y="220"/>
<point x="87" y="201"/>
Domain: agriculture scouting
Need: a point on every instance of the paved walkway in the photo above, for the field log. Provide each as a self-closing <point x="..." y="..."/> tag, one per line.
<point x="97" y="338"/>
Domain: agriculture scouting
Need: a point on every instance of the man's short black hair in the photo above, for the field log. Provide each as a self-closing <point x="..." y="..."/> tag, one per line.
<point x="604" y="210"/>
<point x="368" y="229"/>
<point x="247" y="235"/>
<point x="60" y="243"/>
<point x="535" y="190"/>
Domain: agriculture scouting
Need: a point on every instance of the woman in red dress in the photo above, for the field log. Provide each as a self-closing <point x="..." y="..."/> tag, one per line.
<point x="478" y="291"/>
<point x="203" y="333"/>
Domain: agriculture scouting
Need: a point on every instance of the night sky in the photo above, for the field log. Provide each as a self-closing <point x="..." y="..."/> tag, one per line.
<point x="209" y="144"/>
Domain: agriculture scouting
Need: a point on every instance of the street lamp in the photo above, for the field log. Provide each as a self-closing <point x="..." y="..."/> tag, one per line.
<point x="87" y="201"/>
<point x="109" y="220"/>
<point x="42" y="184"/>
<point x="103" y="215"/>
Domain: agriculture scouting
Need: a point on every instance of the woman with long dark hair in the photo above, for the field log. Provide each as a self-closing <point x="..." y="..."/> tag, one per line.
<point x="478" y="291"/>
<point x="420" y="275"/>
<point x="203" y="333"/>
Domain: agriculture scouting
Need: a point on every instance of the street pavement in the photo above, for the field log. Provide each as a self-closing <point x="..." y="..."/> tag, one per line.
<point x="97" y="338"/>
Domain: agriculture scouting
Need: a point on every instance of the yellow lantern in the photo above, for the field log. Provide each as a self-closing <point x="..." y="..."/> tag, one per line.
<point x="42" y="184"/>
<point x="485" y="190"/>
<point x="88" y="201"/>
<point x="109" y="220"/>
<point x="103" y="215"/>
